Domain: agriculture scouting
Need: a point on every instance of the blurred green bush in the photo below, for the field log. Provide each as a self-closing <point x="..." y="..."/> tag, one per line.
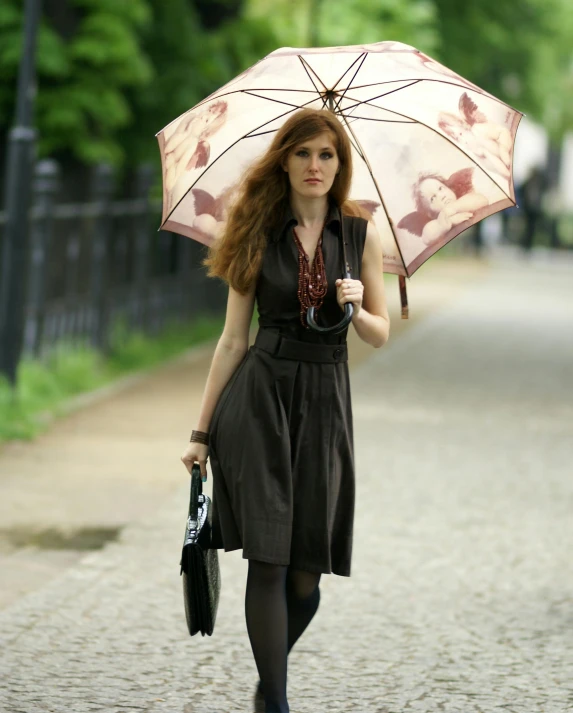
<point x="43" y="388"/>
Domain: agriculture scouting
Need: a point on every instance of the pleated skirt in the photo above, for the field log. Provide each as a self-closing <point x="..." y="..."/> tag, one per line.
<point x="281" y="456"/>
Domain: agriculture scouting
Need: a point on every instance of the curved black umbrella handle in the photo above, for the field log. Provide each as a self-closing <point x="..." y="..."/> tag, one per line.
<point x="341" y="326"/>
<point x="348" y="312"/>
<point x="348" y="307"/>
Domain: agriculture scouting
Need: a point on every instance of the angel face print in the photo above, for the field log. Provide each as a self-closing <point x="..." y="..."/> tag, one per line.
<point x="188" y="146"/>
<point x="442" y="204"/>
<point x="435" y="195"/>
<point x="483" y="139"/>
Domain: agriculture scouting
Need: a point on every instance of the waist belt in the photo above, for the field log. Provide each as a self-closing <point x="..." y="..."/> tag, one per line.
<point x="283" y="348"/>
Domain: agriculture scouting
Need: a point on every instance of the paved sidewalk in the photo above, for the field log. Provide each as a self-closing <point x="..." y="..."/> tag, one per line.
<point x="111" y="463"/>
<point x="460" y="598"/>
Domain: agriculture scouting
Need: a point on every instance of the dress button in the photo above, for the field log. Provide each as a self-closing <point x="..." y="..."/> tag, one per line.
<point x="337" y="353"/>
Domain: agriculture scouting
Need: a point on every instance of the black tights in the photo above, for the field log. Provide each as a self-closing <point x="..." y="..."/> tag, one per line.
<point x="279" y="604"/>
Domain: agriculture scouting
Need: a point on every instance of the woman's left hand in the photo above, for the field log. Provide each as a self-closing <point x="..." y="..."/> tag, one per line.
<point x="348" y="290"/>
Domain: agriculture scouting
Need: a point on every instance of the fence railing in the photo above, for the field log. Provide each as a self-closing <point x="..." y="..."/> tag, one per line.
<point x="90" y="263"/>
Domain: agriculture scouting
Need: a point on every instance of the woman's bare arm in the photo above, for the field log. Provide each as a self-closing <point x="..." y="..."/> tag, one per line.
<point x="372" y="323"/>
<point x="229" y="352"/>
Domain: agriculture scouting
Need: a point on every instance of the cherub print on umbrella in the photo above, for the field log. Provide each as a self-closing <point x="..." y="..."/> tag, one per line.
<point x="442" y="205"/>
<point x="210" y="214"/>
<point x="486" y="140"/>
<point x="188" y="147"/>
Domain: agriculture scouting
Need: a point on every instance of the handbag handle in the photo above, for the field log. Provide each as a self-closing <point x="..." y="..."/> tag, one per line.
<point x="196" y="490"/>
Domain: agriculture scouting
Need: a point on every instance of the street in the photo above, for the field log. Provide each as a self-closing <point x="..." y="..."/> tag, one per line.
<point x="461" y="594"/>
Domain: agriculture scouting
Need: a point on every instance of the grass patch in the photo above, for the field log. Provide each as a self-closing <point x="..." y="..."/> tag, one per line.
<point x="43" y="387"/>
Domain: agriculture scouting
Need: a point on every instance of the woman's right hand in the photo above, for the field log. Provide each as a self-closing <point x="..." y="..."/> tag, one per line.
<point x="196" y="453"/>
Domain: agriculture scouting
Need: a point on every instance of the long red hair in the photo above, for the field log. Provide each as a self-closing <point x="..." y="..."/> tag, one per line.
<point x="262" y="193"/>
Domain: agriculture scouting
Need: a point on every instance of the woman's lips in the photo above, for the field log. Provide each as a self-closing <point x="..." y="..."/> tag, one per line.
<point x="312" y="180"/>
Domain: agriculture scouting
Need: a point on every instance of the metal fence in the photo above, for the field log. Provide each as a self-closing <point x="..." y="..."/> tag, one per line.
<point x="91" y="263"/>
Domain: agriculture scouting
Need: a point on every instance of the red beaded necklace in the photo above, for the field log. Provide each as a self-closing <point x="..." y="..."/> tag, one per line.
<point x="312" y="283"/>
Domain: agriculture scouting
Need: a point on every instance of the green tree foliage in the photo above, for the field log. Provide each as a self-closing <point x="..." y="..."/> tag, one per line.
<point x="82" y="79"/>
<point x="190" y="62"/>
<point x="131" y="66"/>
<point x="341" y="22"/>
<point x="521" y="52"/>
<point x="552" y="72"/>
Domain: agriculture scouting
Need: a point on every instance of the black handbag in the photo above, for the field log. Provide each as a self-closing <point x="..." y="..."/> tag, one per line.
<point x="199" y="562"/>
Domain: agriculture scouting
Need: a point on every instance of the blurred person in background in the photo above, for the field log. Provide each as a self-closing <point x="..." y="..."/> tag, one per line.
<point x="532" y="193"/>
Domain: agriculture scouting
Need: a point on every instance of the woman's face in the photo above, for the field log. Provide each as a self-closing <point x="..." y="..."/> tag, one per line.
<point x="436" y="195"/>
<point x="312" y="166"/>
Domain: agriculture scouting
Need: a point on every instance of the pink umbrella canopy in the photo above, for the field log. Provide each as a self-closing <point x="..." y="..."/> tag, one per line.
<point x="432" y="153"/>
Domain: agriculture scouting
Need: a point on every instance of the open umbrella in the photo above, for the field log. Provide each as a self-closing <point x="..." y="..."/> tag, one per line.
<point x="432" y="152"/>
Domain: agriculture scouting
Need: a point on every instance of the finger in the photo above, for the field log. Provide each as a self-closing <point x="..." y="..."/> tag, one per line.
<point x="203" y="467"/>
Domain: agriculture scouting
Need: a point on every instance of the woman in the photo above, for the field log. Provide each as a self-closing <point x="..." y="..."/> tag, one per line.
<point x="278" y="413"/>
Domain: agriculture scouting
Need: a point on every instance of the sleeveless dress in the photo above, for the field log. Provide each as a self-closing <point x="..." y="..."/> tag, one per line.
<point x="281" y="444"/>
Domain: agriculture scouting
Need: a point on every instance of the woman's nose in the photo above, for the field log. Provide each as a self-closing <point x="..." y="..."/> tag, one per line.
<point x="314" y="163"/>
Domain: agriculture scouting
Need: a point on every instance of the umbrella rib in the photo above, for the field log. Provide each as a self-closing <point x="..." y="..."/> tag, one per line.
<point x="446" y="138"/>
<point x="354" y="75"/>
<point x="307" y="67"/>
<point x="374" y="181"/>
<point x="261" y="133"/>
<point x="410" y="79"/>
<point x="357" y="147"/>
<point x="270" y="99"/>
<point x="384" y="121"/>
<point x="360" y="57"/>
<point x="379" y="96"/>
<point x="250" y="133"/>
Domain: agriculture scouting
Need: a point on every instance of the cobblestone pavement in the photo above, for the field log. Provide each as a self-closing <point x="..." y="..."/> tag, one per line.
<point x="461" y="593"/>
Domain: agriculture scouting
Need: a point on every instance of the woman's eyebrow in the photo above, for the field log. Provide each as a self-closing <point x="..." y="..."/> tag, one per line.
<point x="324" y="148"/>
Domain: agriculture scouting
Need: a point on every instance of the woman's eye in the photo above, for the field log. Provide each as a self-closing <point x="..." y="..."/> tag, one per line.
<point x="326" y="154"/>
<point x="302" y="152"/>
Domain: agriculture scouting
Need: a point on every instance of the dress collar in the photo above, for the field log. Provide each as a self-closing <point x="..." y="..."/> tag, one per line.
<point x="287" y="219"/>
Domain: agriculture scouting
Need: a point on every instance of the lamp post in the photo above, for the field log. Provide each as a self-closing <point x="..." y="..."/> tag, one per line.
<point x="19" y="167"/>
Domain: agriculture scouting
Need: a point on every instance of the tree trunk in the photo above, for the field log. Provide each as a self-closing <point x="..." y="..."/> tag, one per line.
<point x="213" y="13"/>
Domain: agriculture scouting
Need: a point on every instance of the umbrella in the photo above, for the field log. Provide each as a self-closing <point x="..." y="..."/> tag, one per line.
<point x="432" y="152"/>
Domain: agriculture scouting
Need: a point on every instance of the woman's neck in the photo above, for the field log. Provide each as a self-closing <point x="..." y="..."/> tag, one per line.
<point x="309" y="212"/>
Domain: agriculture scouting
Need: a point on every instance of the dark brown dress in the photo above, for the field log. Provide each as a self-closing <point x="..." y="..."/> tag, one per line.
<point x="281" y="436"/>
